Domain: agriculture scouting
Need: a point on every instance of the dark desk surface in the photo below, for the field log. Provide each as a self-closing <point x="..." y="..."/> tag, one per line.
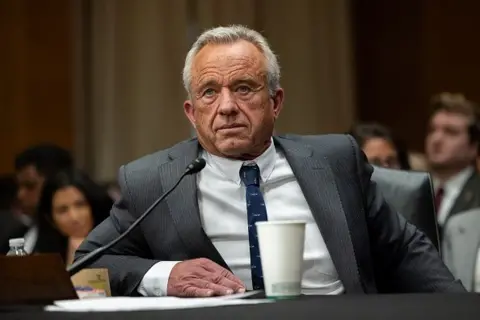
<point x="408" y="306"/>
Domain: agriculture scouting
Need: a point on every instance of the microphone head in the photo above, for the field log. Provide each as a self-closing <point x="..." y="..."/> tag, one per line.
<point x="196" y="166"/>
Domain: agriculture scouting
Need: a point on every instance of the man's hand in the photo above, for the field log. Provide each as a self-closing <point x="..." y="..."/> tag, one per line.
<point x="202" y="278"/>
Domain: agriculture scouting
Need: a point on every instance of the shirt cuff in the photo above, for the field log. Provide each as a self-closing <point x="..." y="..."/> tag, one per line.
<point x="155" y="281"/>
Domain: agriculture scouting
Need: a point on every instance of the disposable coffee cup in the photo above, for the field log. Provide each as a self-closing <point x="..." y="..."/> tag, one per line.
<point x="281" y="251"/>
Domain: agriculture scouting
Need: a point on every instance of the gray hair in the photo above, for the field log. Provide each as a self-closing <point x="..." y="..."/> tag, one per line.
<point x="231" y="34"/>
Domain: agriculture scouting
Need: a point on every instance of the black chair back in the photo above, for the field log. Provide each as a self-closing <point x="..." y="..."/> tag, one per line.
<point x="410" y="193"/>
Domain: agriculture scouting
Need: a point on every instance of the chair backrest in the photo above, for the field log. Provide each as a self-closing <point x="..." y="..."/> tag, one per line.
<point x="410" y="193"/>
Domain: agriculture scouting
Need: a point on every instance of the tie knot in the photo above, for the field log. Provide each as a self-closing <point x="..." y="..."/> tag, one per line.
<point x="440" y="191"/>
<point x="250" y="174"/>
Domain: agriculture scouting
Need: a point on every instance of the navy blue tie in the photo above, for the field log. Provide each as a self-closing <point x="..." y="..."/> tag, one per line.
<point x="256" y="211"/>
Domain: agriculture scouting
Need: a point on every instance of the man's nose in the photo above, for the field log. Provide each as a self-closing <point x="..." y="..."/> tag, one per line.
<point x="21" y="193"/>
<point x="228" y="104"/>
<point x="389" y="164"/>
<point x="436" y="136"/>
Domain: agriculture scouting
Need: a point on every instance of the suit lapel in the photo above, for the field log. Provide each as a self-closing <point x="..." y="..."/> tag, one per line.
<point x="318" y="184"/>
<point x="183" y="203"/>
<point x="466" y="197"/>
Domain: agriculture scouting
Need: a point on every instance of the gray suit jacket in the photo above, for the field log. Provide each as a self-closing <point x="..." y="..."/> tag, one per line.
<point x="373" y="248"/>
<point x="469" y="197"/>
<point x="460" y="245"/>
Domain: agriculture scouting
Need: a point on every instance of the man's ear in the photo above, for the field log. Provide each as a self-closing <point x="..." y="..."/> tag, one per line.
<point x="189" y="110"/>
<point x="278" y="102"/>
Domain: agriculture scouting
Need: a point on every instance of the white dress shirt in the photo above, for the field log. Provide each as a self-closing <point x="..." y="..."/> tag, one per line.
<point x="222" y="205"/>
<point x="452" y="188"/>
<point x="476" y="276"/>
<point x="30" y="237"/>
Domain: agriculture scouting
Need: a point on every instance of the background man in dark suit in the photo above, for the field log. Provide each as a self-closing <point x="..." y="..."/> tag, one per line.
<point x="451" y="149"/>
<point x="32" y="167"/>
<point x="200" y="241"/>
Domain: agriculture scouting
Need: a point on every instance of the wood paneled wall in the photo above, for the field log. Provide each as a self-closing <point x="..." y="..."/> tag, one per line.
<point x="35" y="76"/>
<point x="407" y="51"/>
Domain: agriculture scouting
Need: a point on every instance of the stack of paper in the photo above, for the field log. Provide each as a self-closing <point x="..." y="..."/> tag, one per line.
<point x="150" y="303"/>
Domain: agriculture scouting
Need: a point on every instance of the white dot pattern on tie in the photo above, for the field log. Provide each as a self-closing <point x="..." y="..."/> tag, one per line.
<point x="256" y="211"/>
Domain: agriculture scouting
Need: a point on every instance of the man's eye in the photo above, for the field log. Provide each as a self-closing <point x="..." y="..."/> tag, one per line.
<point x="208" y="92"/>
<point x="243" y="89"/>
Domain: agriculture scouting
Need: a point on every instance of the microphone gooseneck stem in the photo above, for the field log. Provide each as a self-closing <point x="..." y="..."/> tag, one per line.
<point x="97" y="253"/>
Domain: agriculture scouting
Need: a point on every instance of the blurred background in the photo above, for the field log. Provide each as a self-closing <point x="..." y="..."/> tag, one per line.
<point x="102" y="78"/>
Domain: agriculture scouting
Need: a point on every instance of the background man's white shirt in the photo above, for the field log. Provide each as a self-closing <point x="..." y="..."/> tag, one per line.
<point x="452" y="189"/>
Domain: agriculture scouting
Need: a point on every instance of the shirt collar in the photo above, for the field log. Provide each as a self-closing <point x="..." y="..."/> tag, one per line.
<point x="25" y="219"/>
<point x="230" y="168"/>
<point x="457" y="181"/>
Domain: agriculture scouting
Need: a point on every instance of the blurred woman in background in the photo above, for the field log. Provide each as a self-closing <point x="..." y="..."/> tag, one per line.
<point x="71" y="205"/>
<point x="380" y="147"/>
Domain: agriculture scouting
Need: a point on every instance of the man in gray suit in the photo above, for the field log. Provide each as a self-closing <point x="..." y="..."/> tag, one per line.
<point x="201" y="241"/>
<point x="461" y="244"/>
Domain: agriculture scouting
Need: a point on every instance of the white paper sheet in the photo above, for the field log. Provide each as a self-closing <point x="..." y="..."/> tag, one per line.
<point x="150" y="303"/>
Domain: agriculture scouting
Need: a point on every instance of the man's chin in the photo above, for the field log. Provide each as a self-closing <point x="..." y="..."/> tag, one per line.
<point x="28" y="211"/>
<point x="435" y="160"/>
<point x="439" y="165"/>
<point x="234" y="148"/>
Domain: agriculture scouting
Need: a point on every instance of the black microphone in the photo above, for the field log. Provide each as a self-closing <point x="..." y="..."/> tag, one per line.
<point x="196" y="166"/>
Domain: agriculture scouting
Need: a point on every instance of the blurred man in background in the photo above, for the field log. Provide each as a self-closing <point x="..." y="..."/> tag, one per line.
<point x="451" y="148"/>
<point x="32" y="167"/>
<point x="379" y="146"/>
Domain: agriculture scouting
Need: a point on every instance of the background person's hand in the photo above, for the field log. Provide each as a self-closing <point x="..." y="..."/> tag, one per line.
<point x="202" y="278"/>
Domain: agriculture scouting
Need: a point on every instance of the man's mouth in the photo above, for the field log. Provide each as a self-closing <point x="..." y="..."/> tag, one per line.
<point x="231" y="127"/>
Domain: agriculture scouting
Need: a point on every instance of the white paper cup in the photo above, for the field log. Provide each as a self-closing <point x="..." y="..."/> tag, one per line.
<point x="281" y="251"/>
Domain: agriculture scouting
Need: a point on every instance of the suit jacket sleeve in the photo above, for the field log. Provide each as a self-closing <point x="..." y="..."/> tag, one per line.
<point x="404" y="258"/>
<point x="129" y="260"/>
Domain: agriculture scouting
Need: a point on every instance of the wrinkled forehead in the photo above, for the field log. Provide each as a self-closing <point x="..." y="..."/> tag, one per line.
<point x="228" y="59"/>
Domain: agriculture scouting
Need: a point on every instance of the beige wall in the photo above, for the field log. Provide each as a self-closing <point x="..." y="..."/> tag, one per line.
<point x="130" y="85"/>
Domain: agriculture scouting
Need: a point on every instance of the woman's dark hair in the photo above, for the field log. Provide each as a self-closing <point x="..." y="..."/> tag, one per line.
<point x="50" y="239"/>
<point x="365" y="131"/>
